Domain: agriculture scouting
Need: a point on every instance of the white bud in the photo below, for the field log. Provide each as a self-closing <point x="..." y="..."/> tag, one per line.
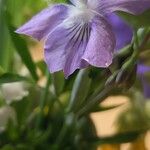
<point x="13" y="91"/>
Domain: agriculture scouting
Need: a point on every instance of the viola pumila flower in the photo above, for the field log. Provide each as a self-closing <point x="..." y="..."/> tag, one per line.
<point x="79" y="35"/>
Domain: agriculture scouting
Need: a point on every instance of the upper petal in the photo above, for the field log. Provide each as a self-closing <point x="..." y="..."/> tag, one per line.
<point x="99" y="50"/>
<point x="130" y="6"/>
<point x="41" y="24"/>
<point x="123" y="32"/>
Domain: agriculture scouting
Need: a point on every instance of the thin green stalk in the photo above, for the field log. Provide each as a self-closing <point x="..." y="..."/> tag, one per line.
<point x="5" y="50"/>
<point x="95" y="101"/>
<point x="68" y="123"/>
<point x="43" y="100"/>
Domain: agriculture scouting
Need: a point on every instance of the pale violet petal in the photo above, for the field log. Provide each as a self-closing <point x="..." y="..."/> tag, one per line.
<point x="44" y="22"/>
<point x="64" y="48"/>
<point x="130" y="6"/>
<point x="123" y="32"/>
<point x="99" y="50"/>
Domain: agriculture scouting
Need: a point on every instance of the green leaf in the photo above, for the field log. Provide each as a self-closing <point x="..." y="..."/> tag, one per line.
<point x="22" y="49"/>
<point x="7" y="147"/>
<point x="80" y="89"/>
<point x="5" y="49"/>
<point x="118" y="138"/>
<point x="9" y="77"/>
<point x="22" y="112"/>
<point x="12" y="132"/>
<point x="42" y="66"/>
<point x="58" y="82"/>
<point x="1" y="71"/>
<point x="142" y="20"/>
<point x="102" y="108"/>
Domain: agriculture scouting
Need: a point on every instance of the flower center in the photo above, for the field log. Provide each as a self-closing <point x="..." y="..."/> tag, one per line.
<point x="82" y="13"/>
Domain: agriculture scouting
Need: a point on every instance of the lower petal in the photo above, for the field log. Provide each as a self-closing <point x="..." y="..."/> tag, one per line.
<point x="64" y="49"/>
<point x="99" y="50"/>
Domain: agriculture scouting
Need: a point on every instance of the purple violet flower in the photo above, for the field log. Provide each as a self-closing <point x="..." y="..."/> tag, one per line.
<point x="123" y="32"/>
<point x="141" y="71"/>
<point x="78" y="35"/>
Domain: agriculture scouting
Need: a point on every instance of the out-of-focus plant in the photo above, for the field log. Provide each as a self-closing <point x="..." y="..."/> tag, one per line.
<point x="57" y="115"/>
<point x="13" y="91"/>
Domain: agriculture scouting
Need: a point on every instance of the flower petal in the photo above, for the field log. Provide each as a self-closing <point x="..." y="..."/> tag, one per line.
<point x="130" y="6"/>
<point x="142" y="70"/>
<point x="41" y="24"/>
<point x="123" y="32"/>
<point x="64" y="48"/>
<point x="146" y="88"/>
<point x="99" y="51"/>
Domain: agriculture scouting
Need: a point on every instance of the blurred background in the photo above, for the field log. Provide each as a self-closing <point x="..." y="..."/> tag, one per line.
<point x="33" y="103"/>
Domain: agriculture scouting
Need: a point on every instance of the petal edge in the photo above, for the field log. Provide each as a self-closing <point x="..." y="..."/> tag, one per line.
<point x="44" y="22"/>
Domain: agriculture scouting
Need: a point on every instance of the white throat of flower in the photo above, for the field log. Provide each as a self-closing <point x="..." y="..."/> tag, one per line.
<point x="81" y="13"/>
<point x="81" y="3"/>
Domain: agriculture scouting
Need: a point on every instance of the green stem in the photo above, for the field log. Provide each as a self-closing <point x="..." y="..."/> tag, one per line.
<point x="133" y="59"/>
<point x="136" y="48"/>
<point x="95" y="101"/>
<point x="43" y="100"/>
<point x="68" y="123"/>
<point x="61" y="135"/>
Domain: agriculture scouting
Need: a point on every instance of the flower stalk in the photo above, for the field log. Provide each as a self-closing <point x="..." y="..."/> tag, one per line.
<point x="43" y="100"/>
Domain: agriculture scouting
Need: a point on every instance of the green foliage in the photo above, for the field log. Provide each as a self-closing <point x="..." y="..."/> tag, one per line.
<point x="118" y="138"/>
<point x="80" y="90"/>
<point x="23" y="51"/>
<point x="9" y="77"/>
<point x="141" y="20"/>
<point x="55" y="115"/>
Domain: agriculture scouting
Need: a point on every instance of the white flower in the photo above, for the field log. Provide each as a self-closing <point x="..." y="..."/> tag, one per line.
<point x="6" y="113"/>
<point x="13" y="91"/>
